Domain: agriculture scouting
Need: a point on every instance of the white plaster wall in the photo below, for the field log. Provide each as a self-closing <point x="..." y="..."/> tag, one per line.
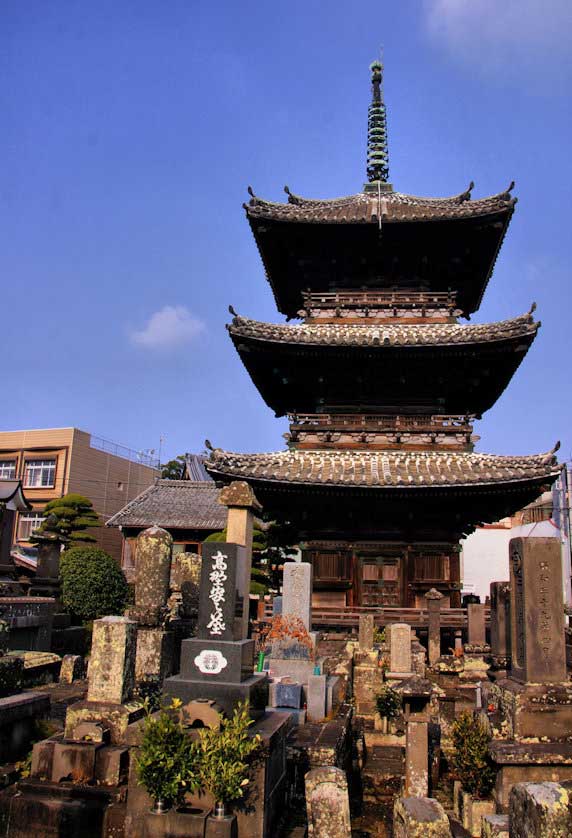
<point x="485" y="554"/>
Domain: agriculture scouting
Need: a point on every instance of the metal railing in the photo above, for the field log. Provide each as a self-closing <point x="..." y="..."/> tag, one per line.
<point x="144" y="458"/>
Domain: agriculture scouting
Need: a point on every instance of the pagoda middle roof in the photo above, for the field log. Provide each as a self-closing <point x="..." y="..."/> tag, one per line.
<point x="393" y="470"/>
<point x="351" y="334"/>
<point x="374" y="207"/>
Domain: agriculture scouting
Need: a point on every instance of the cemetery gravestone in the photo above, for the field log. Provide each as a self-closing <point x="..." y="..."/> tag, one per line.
<point x="400" y="649"/>
<point x="112" y="662"/>
<point x="434" y="598"/>
<point x="366" y="630"/>
<point x="537" y="614"/>
<point x="297" y="592"/>
<point x="476" y="624"/>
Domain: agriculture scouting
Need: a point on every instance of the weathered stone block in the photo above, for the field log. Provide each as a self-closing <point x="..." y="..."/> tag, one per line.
<point x="539" y="809"/>
<point x="316" y="697"/>
<point x="116" y="717"/>
<point x="420" y="817"/>
<point x="91" y="732"/>
<point x="152" y="576"/>
<point x="72" y="669"/>
<point x="495" y="826"/>
<point x="155" y="654"/>
<point x="111" y="765"/>
<point x="74" y="761"/>
<point x="327" y="803"/>
<point x="366" y="629"/>
<point x="112" y="663"/>
<point x="473" y="810"/>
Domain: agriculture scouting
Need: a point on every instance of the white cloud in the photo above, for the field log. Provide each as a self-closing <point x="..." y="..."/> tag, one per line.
<point x="528" y="36"/>
<point x="170" y="326"/>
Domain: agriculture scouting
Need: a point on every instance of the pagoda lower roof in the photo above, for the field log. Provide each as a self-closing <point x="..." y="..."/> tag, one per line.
<point x="371" y="207"/>
<point x="383" y="470"/>
<point x="429" y="334"/>
<point x="404" y="369"/>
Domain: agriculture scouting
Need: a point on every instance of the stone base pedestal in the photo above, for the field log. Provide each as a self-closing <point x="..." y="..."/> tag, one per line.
<point x="528" y="762"/>
<point x="61" y="810"/>
<point x="237" y="656"/>
<point x="116" y="717"/>
<point x="530" y="710"/>
<point x="224" y="693"/>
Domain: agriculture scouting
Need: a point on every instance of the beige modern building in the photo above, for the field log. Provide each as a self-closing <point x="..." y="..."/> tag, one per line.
<point x="53" y="462"/>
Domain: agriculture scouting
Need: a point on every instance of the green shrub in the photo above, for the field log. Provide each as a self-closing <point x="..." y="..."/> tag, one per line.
<point x="388" y="703"/>
<point x="93" y="585"/>
<point x="168" y="760"/>
<point x="224" y="755"/>
<point x="471" y="757"/>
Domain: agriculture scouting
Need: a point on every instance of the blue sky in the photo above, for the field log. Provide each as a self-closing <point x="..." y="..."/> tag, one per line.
<point x="131" y="130"/>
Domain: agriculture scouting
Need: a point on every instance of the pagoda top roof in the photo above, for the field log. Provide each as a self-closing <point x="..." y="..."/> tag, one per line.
<point x="428" y="334"/>
<point x="393" y="470"/>
<point x="378" y="206"/>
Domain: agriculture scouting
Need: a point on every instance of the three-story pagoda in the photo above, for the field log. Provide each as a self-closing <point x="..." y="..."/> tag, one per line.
<point x="382" y="383"/>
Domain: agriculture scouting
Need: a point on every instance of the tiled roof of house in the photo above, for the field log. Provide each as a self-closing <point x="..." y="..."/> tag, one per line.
<point x="372" y="207"/>
<point x="179" y="504"/>
<point x="382" y="469"/>
<point x="430" y="334"/>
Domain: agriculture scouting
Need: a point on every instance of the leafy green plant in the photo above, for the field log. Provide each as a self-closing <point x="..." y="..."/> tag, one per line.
<point x="378" y="635"/>
<point x="471" y="757"/>
<point x="67" y="519"/>
<point x="388" y="702"/>
<point x="92" y="583"/>
<point x="168" y="763"/>
<point x="225" y="754"/>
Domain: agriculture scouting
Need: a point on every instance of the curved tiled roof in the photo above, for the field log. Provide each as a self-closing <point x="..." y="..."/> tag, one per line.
<point x="383" y="469"/>
<point x="371" y="207"/>
<point x="340" y="334"/>
<point x="177" y="504"/>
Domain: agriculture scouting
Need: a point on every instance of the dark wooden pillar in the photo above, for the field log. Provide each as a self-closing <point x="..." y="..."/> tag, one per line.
<point x="455" y="577"/>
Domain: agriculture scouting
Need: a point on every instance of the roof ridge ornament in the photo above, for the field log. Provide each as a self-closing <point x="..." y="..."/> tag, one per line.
<point x="377" y="149"/>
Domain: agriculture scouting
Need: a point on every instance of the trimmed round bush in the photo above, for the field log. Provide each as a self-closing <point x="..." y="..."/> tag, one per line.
<point x="93" y="585"/>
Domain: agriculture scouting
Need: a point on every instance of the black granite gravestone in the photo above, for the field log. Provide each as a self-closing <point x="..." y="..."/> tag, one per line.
<point x="219" y="662"/>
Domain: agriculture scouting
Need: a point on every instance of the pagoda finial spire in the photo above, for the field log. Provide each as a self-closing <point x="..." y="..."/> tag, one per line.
<point x="377" y="151"/>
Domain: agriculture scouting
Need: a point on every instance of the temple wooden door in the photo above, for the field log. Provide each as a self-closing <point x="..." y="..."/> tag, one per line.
<point x="381" y="580"/>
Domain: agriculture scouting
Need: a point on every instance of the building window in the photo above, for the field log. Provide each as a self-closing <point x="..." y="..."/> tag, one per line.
<point x="27" y="524"/>
<point x="8" y="470"/>
<point x="40" y="474"/>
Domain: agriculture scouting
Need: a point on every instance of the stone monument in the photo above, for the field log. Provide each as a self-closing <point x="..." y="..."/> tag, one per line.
<point x="500" y="627"/>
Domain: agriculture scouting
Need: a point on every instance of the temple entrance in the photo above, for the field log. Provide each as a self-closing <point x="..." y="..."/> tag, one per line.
<point x="381" y="580"/>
